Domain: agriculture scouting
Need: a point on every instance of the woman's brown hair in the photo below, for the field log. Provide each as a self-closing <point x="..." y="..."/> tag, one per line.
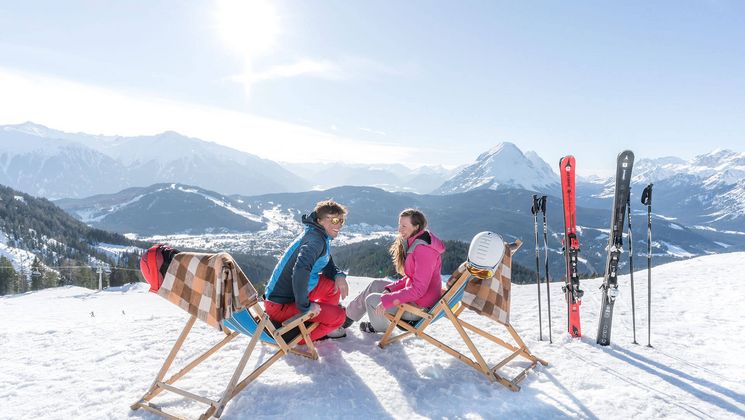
<point x="399" y="246"/>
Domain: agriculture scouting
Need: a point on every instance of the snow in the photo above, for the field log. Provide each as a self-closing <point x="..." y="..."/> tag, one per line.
<point x="676" y="251"/>
<point x="19" y="258"/>
<point x="500" y="166"/>
<point x="663" y="217"/>
<point x="97" y="214"/>
<point x="116" y="251"/>
<point x="76" y="353"/>
<point x="711" y="229"/>
<point x="221" y="203"/>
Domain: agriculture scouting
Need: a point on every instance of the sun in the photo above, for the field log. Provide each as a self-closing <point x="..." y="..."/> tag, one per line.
<point x="247" y="27"/>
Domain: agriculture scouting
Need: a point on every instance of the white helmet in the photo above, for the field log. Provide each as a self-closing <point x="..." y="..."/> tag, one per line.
<point x="486" y="251"/>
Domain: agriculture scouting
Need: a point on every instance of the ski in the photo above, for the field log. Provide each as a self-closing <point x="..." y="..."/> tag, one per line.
<point x="624" y="165"/>
<point x="571" y="289"/>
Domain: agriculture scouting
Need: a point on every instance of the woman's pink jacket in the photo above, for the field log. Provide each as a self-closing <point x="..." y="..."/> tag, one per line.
<point x="422" y="283"/>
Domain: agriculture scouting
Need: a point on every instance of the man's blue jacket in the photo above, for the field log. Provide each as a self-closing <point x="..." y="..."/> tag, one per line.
<point x="297" y="272"/>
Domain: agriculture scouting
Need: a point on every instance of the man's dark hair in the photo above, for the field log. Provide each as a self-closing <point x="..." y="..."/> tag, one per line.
<point x="327" y="207"/>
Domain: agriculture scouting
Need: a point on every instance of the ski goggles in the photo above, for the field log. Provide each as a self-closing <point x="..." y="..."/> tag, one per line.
<point x="336" y="220"/>
<point x="482" y="273"/>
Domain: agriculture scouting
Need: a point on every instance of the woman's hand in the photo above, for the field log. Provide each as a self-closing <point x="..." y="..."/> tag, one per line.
<point x="380" y="309"/>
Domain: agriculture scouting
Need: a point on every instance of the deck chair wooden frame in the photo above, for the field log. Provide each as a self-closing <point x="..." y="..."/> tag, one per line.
<point x="449" y="306"/>
<point x="252" y="321"/>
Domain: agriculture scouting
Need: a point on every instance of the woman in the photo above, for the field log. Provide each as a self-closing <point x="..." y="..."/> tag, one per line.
<point x="416" y="254"/>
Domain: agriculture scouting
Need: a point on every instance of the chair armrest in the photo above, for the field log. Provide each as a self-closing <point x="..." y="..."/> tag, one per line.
<point x="416" y="310"/>
<point x="297" y="319"/>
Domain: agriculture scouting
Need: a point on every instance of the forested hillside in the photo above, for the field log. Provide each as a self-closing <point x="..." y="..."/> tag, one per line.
<point x="46" y="247"/>
<point x="371" y="259"/>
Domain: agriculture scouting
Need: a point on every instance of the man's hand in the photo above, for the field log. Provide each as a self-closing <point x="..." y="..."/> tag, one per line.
<point x="315" y="309"/>
<point x="380" y="309"/>
<point x="341" y="285"/>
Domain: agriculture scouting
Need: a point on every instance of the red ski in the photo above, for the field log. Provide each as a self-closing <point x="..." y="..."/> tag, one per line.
<point x="571" y="246"/>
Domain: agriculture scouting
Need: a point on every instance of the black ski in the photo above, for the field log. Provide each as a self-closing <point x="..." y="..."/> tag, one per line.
<point x="624" y="165"/>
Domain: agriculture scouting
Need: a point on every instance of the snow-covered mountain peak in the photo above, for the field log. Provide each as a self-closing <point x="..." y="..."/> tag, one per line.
<point x="719" y="157"/>
<point x="501" y="151"/>
<point x="503" y="166"/>
<point x="31" y="128"/>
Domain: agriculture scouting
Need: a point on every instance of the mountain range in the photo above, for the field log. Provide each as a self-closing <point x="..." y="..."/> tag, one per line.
<point x="54" y="164"/>
<point x="373" y="213"/>
<point x="216" y="197"/>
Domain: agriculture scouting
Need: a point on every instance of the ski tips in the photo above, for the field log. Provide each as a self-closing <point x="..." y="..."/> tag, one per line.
<point x="566" y="163"/>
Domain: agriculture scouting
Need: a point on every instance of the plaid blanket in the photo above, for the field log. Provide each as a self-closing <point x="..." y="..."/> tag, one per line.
<point x="210" y="286"/>
<point x="491" y="297"/>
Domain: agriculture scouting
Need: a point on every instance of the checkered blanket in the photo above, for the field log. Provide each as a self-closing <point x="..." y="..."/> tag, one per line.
<point x="210" y="286"/>
<point x="491" y="297"/>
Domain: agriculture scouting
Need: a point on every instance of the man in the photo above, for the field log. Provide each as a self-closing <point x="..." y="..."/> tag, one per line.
<point x="306" y="278"/>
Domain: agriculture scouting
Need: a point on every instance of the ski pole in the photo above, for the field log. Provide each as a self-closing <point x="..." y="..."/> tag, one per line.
<point x="545" y="250"/>
<point x="631" y="268"/>
<point x="535" y="209"/>
<point x="647" y="199"/>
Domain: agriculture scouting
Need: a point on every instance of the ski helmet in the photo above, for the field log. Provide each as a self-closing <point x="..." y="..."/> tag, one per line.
<point x="485" y="254"/>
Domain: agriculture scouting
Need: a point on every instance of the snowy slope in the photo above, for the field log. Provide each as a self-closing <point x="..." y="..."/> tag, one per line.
<point x="75" y="353"/>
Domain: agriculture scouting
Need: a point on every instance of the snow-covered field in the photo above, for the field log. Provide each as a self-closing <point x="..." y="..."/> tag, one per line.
<point x="75" y="353"/>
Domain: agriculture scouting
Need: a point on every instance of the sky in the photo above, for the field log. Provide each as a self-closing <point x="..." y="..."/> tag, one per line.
<point x="415" y="82"/>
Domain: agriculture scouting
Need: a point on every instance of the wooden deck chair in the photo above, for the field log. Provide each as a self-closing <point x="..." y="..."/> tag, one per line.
<point x="251" y="321"/>
<point x="451" y="305"/>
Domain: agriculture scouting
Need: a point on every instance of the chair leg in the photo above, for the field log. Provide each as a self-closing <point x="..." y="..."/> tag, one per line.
<point x="521" y="351"/>
<point x="238" y="370"/>
<point x="455" y="353"/>
<point x="394" y="321"/>
<point x="520" y="342"/>
<point x="154" y="390"/>
<point x="456" y="323"/>
<point x="305" y="333"/>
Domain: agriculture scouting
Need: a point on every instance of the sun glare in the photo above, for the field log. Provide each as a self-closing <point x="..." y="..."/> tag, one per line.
<point x="248" y="27"/>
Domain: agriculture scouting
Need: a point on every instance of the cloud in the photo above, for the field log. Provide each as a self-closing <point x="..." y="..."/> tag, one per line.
<point x="370" y="130"/>
<point x="76" y="107"/>
<point x="304" y="67"/>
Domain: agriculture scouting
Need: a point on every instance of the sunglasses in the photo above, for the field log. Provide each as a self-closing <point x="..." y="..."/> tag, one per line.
<point x="335" y="220"/>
